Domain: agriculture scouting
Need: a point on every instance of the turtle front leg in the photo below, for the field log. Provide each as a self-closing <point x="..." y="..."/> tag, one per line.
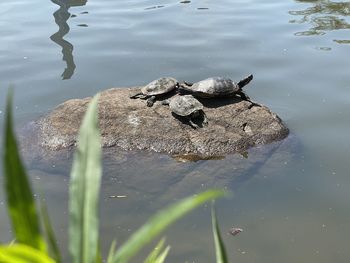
<point x="205" y="119"/>
<point x="246" y="98"/>
<point x="243" y="96"/>
<point x="136" y="96"/>
<point x="188" y="83"/>
<point x="151" y="100"/>
<point x="195" y="126"/>
<point x="165" y="102"/>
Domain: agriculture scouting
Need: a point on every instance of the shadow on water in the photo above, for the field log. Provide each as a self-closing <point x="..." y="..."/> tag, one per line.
<point x="61" y="17"/>
<point x="323" y="15"/>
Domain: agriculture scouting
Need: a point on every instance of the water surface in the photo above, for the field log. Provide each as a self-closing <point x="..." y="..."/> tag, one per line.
<point x="291" y="210"/>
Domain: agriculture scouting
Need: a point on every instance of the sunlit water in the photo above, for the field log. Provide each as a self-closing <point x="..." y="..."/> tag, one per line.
<point x="293" y="210"/>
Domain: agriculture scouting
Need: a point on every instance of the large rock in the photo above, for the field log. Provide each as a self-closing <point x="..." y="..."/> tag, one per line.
<point x="147" y="177"/>
<point x="234" y="126"/>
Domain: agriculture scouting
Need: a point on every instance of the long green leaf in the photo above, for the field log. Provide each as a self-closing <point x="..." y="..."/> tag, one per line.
<point x="161" y="258"/>
<point x="20" y="201"/>
<point x="155" y="252"/>
<point x="19" y="253"/>
<point x="111" y="252"/>
<point x="50" y="235"/>
<point x="221" y="256"/>
<point x="84" y="190"/>
<point x="159" y="222"/>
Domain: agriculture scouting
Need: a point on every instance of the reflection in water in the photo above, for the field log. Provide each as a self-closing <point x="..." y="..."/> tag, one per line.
<point x="154" y="7"/>
<point x="323" y="15"/>
<point x="61" y="16"/>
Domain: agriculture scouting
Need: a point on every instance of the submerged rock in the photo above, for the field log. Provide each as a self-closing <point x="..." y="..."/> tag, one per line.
<point x="234" y="125"/>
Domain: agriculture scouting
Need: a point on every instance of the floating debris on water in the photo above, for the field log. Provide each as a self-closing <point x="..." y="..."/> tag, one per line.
<point x="154" y="7"/>
<point x="117" y="196"/>
<point x="235" y="231"/>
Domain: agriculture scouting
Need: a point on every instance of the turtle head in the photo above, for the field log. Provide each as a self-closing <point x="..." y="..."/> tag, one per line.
<point x="200" y="117"/>
<point x="196" y="114"/>
<point x="244" y="81"/>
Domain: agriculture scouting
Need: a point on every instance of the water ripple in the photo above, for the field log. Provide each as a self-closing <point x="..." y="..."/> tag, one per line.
<point x="322" y="16"/>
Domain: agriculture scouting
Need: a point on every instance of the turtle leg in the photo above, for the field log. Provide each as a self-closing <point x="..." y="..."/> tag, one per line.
<point x="151" y="100"/>
<point x="205" y="119"/>
<point x="195" y="126"/>
<point x="188" y="83"/>
<point x="246" y="98"/>
<point x="243" y="96"/>
<point x="165" y="102"/>
<point x="136" y="96"/>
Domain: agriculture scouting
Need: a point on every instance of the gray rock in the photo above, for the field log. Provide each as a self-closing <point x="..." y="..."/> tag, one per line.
<point x="234" y="126"/>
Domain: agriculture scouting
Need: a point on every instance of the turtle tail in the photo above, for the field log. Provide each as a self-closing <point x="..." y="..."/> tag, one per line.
<point x="245" y="81"/>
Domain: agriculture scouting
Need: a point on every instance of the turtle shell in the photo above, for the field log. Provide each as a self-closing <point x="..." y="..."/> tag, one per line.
<point x="159" y="86"/>
<point x="185" y="105"/>
<point x="216" y="86"/>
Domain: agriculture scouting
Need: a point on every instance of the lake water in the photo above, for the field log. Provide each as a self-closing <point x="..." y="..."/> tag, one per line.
<point x="291" y="209"/>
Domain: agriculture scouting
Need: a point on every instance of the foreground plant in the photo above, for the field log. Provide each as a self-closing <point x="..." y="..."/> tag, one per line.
<point x="31" y="245"/>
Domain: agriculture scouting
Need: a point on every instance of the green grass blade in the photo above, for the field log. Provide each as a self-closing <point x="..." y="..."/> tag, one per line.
<point x="50" y="235"/>
<point x="98" y="255"/>
<point x="159" y="222"/>
<point x="23" y="254"/>
<point x="111" y="252"/>
<point x="84" y="190"/>
<point x="155" y="252"/>
<point x="221" y="256"/>
<point x="20" y="201"/>
<point x="161" y="258"/>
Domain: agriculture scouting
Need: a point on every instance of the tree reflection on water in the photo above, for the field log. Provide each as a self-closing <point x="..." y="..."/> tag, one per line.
<point x="61" y="17"/>
<point x="323" y="15"/>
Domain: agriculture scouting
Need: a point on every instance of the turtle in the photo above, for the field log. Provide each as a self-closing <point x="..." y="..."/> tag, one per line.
<point x="156" y="89"/>
<point x="216" y="87"/>
<point x="188" y="107"/>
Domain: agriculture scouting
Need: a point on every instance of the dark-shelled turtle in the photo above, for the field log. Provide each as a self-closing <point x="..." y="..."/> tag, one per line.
<point x="216" y="87"/>
<point x="155" y="89"/>
<point x="188" y="107"/>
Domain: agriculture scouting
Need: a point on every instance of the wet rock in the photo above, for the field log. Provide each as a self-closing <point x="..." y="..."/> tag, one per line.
<point x="234" y="126"/>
